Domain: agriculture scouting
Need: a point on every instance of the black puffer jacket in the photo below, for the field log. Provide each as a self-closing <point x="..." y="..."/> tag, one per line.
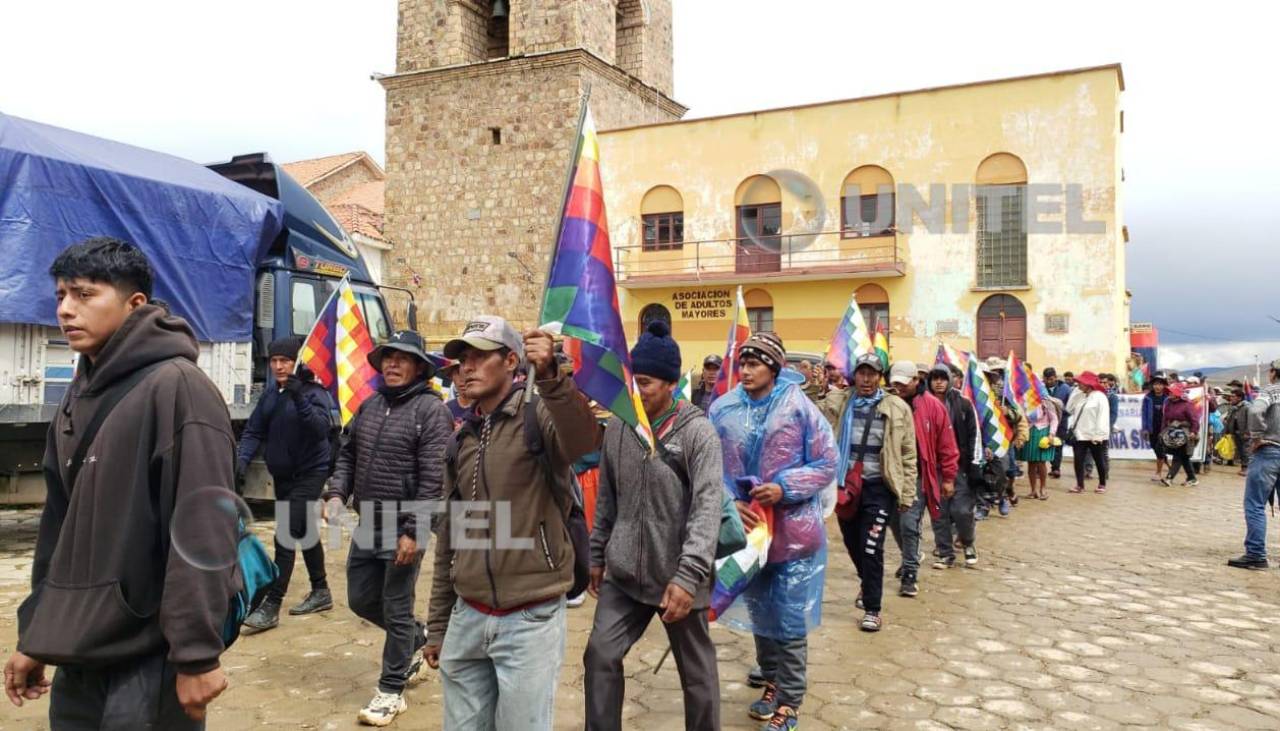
<point x="394" y="451"/>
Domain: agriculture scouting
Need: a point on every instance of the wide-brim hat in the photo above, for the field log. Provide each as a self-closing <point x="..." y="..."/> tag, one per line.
<point x="405" y="341"/>
<point x="995" y="364"/>
<point x="1090" y="379"/>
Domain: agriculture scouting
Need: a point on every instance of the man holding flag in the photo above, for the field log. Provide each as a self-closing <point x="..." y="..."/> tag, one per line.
<point x="504" y="557"/>
<point x="391" y="464"/>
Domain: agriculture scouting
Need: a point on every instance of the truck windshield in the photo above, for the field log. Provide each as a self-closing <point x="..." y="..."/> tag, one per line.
<point x="310" y="296"/>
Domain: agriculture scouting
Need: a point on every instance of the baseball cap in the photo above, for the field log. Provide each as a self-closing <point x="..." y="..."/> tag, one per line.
<point x="486" y="332"/>
<point x="712" y="360"/>
<point x="902" y="372"/>
<point x="870" y="360"/>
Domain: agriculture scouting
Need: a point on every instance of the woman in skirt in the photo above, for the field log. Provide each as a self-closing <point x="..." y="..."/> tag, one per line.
<point x="1039" y="450"/>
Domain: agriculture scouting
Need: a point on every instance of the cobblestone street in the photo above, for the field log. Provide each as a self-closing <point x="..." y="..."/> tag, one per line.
<point x="1087" y="612"/>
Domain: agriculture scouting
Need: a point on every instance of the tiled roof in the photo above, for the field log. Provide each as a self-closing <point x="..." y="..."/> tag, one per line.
<point x="307" y="172"/>
<point x="357" y="219"/>
<point x="370" y="195"/>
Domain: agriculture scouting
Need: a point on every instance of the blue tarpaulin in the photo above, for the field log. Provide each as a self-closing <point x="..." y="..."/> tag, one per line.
<point x="204" y="234"/>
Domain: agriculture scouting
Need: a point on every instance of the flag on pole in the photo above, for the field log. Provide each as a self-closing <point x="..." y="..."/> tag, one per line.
<point x="1020" y="389"/>
<point x="960" y="360"/>
<point x="337" y="350"/>
<point x="851" y="339"/>
<point x="581" y="299"/>
<point x="739" y="331"/>
<point x="1041" y="390"/>
<point x="881" y="342"/>
<point x="997" y="434"/>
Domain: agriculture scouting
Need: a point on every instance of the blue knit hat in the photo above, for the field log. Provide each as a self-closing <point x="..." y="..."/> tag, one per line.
<point x="656" y="353"/>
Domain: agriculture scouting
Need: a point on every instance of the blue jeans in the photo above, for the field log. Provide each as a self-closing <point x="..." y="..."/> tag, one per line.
<point x="500" y="673"/>
<point x="1264" y="476"/>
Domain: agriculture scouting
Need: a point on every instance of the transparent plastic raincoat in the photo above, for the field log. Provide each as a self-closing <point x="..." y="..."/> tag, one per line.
<point x="782" y="439"/>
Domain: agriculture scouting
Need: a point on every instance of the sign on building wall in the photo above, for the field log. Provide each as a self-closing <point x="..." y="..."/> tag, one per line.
<point x="702" y="304"/>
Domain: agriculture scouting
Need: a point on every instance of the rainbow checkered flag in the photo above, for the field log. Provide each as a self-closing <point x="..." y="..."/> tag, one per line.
<point x="581" y="300"/>
<point x="735" y="571"/>
<point x="850" y="340"/>
<point x="1020" y="387"/>
<point x="997" y="434"/>
<point x="337" y="350"/>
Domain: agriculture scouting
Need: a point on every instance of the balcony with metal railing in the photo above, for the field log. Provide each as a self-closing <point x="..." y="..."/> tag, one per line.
<point x="785" y="257"/>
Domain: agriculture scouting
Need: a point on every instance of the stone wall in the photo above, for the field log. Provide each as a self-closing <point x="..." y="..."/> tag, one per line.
<point x="474" y="219"/>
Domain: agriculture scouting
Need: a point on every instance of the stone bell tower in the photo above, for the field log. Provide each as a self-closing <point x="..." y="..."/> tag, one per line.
<point x="481" y="115"/>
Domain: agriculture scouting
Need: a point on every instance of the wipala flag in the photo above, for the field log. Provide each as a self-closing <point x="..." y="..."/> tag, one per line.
<point x="1020" y="389"/>
<point x="997" y="433"/>
<point x="739" y="331"/>
<point x="851" y="340"/>
<point x="581" y="300"/>
<point x="337" y="350"/>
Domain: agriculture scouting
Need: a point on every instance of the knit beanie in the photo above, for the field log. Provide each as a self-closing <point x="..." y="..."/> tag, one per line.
<point x="286" y="347"/>
<point x="767" y="348"/>
<point x="656" y="354"/>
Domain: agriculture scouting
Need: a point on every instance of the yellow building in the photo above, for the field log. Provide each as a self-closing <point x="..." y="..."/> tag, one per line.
<point x="985" y="215"/>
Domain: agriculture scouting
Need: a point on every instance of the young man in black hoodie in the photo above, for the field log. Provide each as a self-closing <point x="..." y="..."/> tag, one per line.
<point x="291" y="424"/>
<point x="957" y="517"/>
<point x="129" y="611"/>
<point x="392" y="464"/>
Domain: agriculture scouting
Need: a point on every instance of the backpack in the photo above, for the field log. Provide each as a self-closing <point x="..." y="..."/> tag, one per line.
<point x="259" y="573"/>
<point x="257" y="569"/>
<point x="576" y="524"/>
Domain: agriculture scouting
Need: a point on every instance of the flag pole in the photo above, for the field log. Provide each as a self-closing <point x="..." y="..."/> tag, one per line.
<point x="530" y="375"/>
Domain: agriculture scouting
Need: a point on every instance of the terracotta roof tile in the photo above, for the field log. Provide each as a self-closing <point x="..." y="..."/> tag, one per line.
<point x="357" y="219"/>
<point x="308" y="171"/>
<point x="370" y="195"/>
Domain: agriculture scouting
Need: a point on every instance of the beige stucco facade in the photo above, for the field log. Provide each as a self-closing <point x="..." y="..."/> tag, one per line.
<point x="1046" y="131"/>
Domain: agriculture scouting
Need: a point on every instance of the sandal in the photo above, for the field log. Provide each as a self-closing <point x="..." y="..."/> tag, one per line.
<point x="1076" y="490"/>
<point x="1101" y="489"/>
<point x="1044" y="496"/>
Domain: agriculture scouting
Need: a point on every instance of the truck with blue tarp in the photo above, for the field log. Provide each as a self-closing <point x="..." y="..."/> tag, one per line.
<point x="240" y="250"/>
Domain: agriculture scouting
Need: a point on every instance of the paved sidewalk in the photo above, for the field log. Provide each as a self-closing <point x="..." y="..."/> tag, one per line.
<point x="1087" y="611"/>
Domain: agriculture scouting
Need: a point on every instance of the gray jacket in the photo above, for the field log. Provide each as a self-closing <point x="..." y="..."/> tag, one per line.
<point x="1264" y="415"/>
<point x="650" y="530"/>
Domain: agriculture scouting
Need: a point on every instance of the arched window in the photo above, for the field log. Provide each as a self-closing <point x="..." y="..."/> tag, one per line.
<point x="867" y="203"/>
<point x="1002" y="327"/>
<point x="759" y="310"/>
<point x="662" y="218"/>
<point x="758" y="224"/>
<point x="873" y="301"/>
<point x="1001" y="227"/>
<point x="653" y="313"/>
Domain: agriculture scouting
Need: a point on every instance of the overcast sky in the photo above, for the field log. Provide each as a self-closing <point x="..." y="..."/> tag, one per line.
<point x="1202" y="198"/>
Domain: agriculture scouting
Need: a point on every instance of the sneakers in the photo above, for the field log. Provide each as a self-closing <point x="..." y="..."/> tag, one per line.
<point x="265" y="617"/>
<point x="945" y="562"/>
<point x="576" y="601"/>
<point x="908" y="587"/>
<point x="871" y="622"/>
<point x="856" y="602"/>
<point x="319" y="600"/>
<point x="1004" y="507"/>
<point x="755" y="678"/>
<point x="383" y="709"/>
<point x="970" y="556"/>
<point x="1192" y="482"/>
<point x="1166" y="482"/>
<point x="981" y="513"/>
<point x="898" y="574"/>
<point x="784" y="719"/>
<point x="763" y="709"/>
<point x="1249" y="562"/>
